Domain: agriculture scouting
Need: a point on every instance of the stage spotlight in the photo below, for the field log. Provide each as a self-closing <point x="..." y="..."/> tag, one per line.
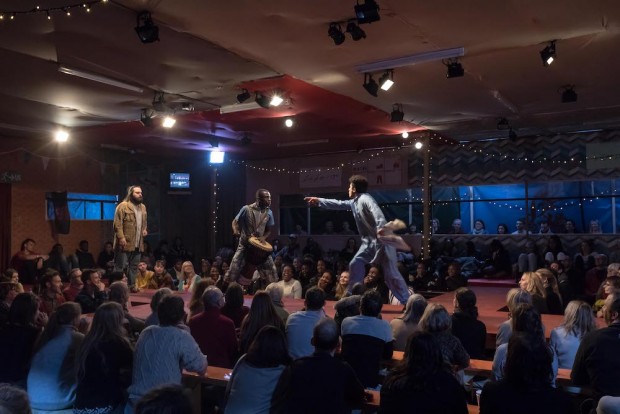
<point x="262" y="100"/>
<point x="367" y="12"/>
<point x="405" y="135"/>
<point x="216" y="157"/>
<point x="276" y="100"/>
<point x="503" y="124"/>
<point x="387" y="80"/>
<point x="243" y="96"/>
<point x="336" y="33"/>
<point x="569" y="94"/>
<point x="370" y="85"/>
<point x="397" y="114"/>
<point x="455" y="69"/>
<point x="147" y="31"/>
<point x="146" y="117"/>
<point x="61" y="135"/>
<point x="418" y="145"/>
<point x="168" y="122"/>
<point x="548" y="54"/>
<point x="289" y="122"/>
<point x="214" y="142"/>
<point x="355" y="31"/>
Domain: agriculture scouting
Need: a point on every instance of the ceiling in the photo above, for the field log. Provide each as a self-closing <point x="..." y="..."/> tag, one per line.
<point x="209" y="51"/>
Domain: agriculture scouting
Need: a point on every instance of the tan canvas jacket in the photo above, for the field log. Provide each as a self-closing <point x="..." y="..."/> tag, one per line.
<point x="125" y="225"/>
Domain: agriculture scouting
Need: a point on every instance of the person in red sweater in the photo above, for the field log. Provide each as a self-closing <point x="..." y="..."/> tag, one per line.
<point x="214" y="332"/>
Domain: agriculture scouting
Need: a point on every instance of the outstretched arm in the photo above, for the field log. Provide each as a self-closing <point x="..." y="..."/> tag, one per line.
<point x="328" y="203"/>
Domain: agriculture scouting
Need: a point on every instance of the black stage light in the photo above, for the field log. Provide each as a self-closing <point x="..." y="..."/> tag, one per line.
<point x="367" y="12"/>
<point x="336" y="33"/>
<point x="397" y="114"/>
<point x="512" y="135"/>
<point x="262" y="100"/>
<point x="455" y="69"/>
<point x="355" y="31"/>
<point x="245" y="141"/>
<point x="243" y="96"/>
<point x="548" y="54"/>
<point x="146" y="117"/>
<point x="569" y="94"/>
<point x="147" y="31"/>
<point x="503" y="124"/>
<point x="386" y="81"/>
<point x="370" y="85"/>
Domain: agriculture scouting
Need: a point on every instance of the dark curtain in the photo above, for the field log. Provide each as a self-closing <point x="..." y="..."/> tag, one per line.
<point x="5" y="228"/>
<point x="59" y="211"/>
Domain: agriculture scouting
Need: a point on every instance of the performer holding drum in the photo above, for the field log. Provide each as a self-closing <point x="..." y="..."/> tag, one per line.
<point x="252" y="225"/>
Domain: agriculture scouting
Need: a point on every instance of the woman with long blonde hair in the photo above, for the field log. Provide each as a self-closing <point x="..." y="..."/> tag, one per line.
<point x="532" y="283"/>
<point x="565" y="339"/>
<point x="551" y="291"/>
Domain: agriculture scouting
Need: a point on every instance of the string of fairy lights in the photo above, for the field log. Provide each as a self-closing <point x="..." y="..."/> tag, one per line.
<point x="49" y="12"/>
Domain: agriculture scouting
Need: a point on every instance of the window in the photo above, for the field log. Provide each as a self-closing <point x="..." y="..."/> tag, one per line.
<point x="83" y="206"/>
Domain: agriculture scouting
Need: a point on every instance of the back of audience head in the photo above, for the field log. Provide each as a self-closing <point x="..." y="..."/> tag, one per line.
<point x="325" y="335"/>
<point x="86" y="276"/>
<point x="66" y="314"/>
<point x="315" y="299"/>
<point x="435" y="319"/>
<point x="423" y="360"/>
<point x="117" y="277"/>
<point x="414" y="309"/>
<point x="516" y="296"/>
<point x="268" y="348"/>
<point x="165" y="399"/>
<point x="371" y="303"/>
<point x="358" y="289"/>
<point x="24" y="309"/>
<point x="13" y="400"/>
<point x="528" y="363"/>
<point x="212" y="298"/>
<point x="119" y="293"/>
<point x="578" y="318"/>
<point x="611" y="311"/>
<point x="275" y="292"/>
<point x="8" y="291"/>
<point x="465" y="302"/>
<point x="171" y="310"/>
<point x="234" y="296"/>
<point x="526" y="319"/>
<point x="158" y="296"/>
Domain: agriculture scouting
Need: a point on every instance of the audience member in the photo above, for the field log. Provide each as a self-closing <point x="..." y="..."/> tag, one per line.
<point x="457" y="226"/>
<point x="292" y="288"/>
<point x="320" y="383"/>
<point x="532" y="284"/>
<point x="214" y="332"/>
<point x="349" y="250"/>
<point x="144" y="277"/>
<point x="105" y="260"/>
<point x="502" y="229"/>
<point x="436" y="320"/>
<point x="465" y="324"/>
<point x="584" y="259"/>
<point x="27" y="262"/>
<point x="407" y="323"/>
<point x="454" y="278"/>
<point x="527" y="383"/>
<point x="58" y="261"/>
<point x="174" y="347"/>
<point x="595" y="276"/>
<point x="275" y="292"/>
<point x="90" y="297"/>
<point x="544" y="228"/>
<point x="299" y="324"/>
<point x="595" y="227"/>
<point x="422" y="382"/>
<point x="262" y="313"/>
<point x="11" y="276"/>
<point x="195" y="305"/>
<point x="104" y="363"/>
<point x="13" y="400"/>
<point x="611" y="283"/>
<point x="342" y="285"/>
<point x="498" y="264"/>
<point x="75" y="285"/>
<point x="256" y="374"/>
<point x="82" y="258"/>
<point x="374" y="281"/>
<point x="161" y="277"/>
<point x="8" y="292"/>
<point x="190" y="278"/>
<point x="326" y="284"/>
<point x="50" y="296"/>
<point x="233" y="307"/>
<point x="513" y="298"/>
<point x="479" y="227"/>
<point x="165" y="399"/>
<point x="551" y="291"/>
<point x="118" y="276"/>
<point x="367" y="339"/>
<point x="569" y="226"/>
<point x="565" y="339"/>
<point x="520" y="228"/>
<point x="528" y="261"/>
<point x="553" y="249"/>
<point x="119" y="293"/>
<point x="51" y="380"/>
<point x="152" y="319"/>
<point x="18" y="337"/>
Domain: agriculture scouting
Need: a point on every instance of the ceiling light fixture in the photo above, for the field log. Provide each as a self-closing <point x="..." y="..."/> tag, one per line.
<point x="455" y="69"/>
<point x="405" y="135"/>
<point x="276" y="100"/>
<point x="146" y="117"/>
<point x="397" y="114"/>
<point x="387" y="80"/>
<point x="147" y="31"/>
<point x="370" y="85"/>
<point x="411" y="60"/>
<point x="418" y="145"/>
<point x="168" y="122"/>
<point x="336" y="33"/>
<point x="355" y="31"/>
<point x="367" y="12"/>
<point x="98" y="78"/>
<point x="503" y="124"/>
<point x="262" y="100"/>
<point x="569" y="94"/>
<point x="548" y="54"/>
<point x="289" y="122"/>
<point x="61" y="136"/>
<point x="226" y="109"/>
<point x="216" y="157"/>
<point x="214" y="142"/>
<point x="243" y="96"/>
<point x="512" y="135"/>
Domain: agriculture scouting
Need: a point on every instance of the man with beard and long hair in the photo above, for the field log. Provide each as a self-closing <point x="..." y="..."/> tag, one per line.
<point x="253" y="220"/>
<point x="129" y="232"/>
